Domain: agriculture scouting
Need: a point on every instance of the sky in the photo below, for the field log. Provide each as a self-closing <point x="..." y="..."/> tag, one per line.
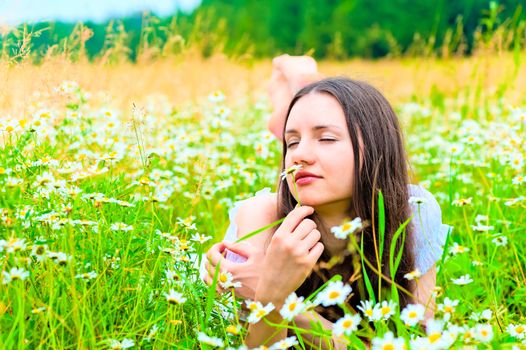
<point x="14" y="12"/>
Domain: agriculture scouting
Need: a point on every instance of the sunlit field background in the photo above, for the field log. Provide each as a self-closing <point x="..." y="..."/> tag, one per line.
<point x="115" y="177"/>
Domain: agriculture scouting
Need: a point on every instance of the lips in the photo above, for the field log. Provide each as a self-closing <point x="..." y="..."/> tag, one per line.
<point x="301" y="174"/>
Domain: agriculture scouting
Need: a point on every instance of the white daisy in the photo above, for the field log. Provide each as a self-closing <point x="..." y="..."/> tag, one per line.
<point x="462" y="280"/>
<point x="367" y="307"/>
<point x="208" y="340"/>
<point x="15" y="274"/>
<point x="385" y="310"/>
<point x="258" y="311"/>
<point x="388" y="342"/>
<point x="124" y="344"/>
<point x="347" y="228"/>
<point x="517" y="331"/>
<point x="226" y="280"/>
<point x="290" y="171"/>
<point x="483" y="332"/>
<point x="347" y="324"/>
<point x="413" y="274"/>
<point x="412" y="314"/>
<point x="284" y="343"/>
<point x="174" y="297"/>
<point x="448" y="307"/>
<point x="292" y="307"/>
<point x="335" y="293"/>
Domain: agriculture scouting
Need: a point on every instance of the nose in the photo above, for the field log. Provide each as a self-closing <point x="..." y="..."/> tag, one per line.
<point x="303" y="153"/>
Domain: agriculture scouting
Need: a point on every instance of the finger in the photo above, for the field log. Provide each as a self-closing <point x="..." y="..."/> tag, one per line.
<point x="304" y="228"/>
<point x="310" y="240"/>
<point x="294" y="218"/>
<point x="215" y="256"/>
<point x="241" y="248"/>
<point x="315" y="252"/>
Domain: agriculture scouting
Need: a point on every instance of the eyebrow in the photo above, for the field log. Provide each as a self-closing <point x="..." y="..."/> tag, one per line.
<point x="317" y="127"/>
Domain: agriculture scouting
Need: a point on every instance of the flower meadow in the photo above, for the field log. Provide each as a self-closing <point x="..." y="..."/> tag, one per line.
<point x="105" y="214"/>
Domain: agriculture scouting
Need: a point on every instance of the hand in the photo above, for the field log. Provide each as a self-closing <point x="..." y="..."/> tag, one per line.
<point x="247" y="273"/>
<point x="292" y="253"/>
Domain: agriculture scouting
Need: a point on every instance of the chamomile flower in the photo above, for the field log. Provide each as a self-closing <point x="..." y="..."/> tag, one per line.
<point x="347" y="228"/>
<point x="347" y="324"/>
<point x="517" y="331"/>
<point x="226" y="280"/>
<point x="119" y="345"/>
<point x="462" y="202"/>
<point x="519" y="180"/>
<point x="458" y="249"/>
<point x="120" y="226"/>
<point x="486" y="314"/>
<point x="388" y="342"/>
<point x="174" y="297"/>
<point x="500" y="241"/>
<point x="87" y="276"/>
<point x="462" y="280"/>
<point x="385" y="310"/>
<point x="412" y="314"/>
<point x="208" y="340"/>
<point x="334" y="294"/>
<point x="483" y="332"/>
<point x="290" y="171"/>
<point x="216" y="96"/>
<point x="258" y="311"/>
<point x="367" y="307"/>
<point x="284" y="343"/>
<point x="14" y="274"/>
<point x="292" y="307"/>
<point x="448" y="307"/>
<point x="417" y="200"/>
<point x="413" y="274"/>
<point x="200" y="238"/>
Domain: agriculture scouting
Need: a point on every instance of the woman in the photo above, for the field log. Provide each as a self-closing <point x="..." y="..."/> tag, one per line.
<point x="347" y="140"/>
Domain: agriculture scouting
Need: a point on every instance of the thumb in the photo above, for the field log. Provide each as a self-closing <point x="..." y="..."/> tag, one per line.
<point x="241" y="248"/>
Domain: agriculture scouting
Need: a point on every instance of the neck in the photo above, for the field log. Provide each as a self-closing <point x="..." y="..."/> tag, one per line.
<point x="331" y="215"/>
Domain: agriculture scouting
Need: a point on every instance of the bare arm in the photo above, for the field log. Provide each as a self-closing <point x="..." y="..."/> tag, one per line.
<point x="424" y="292"/>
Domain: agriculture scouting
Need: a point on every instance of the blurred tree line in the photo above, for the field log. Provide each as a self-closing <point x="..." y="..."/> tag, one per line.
<point x="335" y="29"/>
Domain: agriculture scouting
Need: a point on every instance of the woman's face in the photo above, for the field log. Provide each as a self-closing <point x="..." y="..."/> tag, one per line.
<point x="317" y="137"/>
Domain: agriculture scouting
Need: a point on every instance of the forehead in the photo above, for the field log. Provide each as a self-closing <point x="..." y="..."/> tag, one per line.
<point x="316" y="109"/>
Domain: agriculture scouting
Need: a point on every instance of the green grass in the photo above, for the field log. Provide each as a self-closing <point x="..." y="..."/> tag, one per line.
<point x="72" y="170"/>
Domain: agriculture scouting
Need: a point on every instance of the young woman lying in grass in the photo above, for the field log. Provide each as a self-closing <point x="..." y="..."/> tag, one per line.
<point x="342" y="146"/>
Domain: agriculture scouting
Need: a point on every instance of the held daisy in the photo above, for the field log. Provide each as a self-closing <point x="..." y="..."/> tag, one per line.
<point x="290" y="171"/>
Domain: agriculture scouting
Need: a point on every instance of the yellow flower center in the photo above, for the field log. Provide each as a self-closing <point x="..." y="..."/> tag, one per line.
<point x="223" y="278"/>
<point x="448" y="309"/>
<point x="520" y="329"/>
<point x="347" y="323"/>
<point x="412" y="314"/>
<point x="334" y="294"/>
<point x="388" y="347"/>
<point x="386" y="310"/>
<point x="434" y="337"/>
<point x="292" y="306"/>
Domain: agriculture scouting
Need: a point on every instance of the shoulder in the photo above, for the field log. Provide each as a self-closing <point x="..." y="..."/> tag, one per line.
<point x="257" y="212"/>
<point x="429" y="233"/>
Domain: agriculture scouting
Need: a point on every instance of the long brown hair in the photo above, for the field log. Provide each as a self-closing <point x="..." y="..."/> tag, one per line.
<point x="383" y="167"/>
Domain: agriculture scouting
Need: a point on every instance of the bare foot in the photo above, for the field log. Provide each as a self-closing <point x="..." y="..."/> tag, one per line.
<point x="289" y="74"/>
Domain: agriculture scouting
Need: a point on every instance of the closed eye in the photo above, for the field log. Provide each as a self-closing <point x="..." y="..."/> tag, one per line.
<point x="292" y="143"/>
<point x="327" y="140"/>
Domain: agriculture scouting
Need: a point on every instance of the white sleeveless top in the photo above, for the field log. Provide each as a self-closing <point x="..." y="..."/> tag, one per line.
<point x="428" y="230"/>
